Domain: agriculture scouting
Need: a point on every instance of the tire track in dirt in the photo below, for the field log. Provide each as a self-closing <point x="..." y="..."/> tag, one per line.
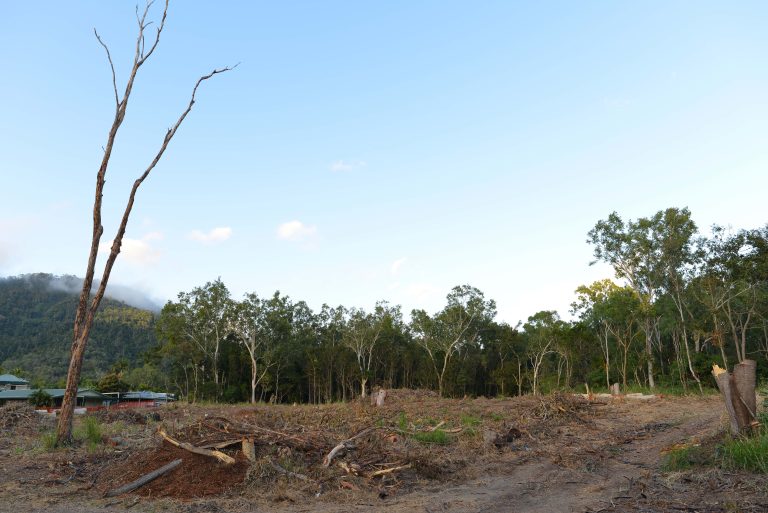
<point x="625" y="444"/>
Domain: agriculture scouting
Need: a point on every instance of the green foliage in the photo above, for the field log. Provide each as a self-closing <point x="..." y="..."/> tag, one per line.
<point x="89" y="432"/>
<point x="402" y="421"/>
<point x="438" y="437"/>
<point x="112" y="382"/>
<point x="48" y="440"/>
<point x="470" y="420"/>
<point x="681" y="458"/>
<point x="41" y="399"/>
<point x="747" y="453"/>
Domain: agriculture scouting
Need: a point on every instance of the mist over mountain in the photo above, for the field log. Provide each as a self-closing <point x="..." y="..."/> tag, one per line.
<point x="73" y="285"/>
<point x="37" y="312"/>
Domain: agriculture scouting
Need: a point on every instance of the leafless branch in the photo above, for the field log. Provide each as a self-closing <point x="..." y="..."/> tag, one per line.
<point x="112" y="67"/>
<point x="117" y="241"/>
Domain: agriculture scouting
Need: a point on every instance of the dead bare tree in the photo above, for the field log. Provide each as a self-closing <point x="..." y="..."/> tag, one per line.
<point x="89" y="303"/>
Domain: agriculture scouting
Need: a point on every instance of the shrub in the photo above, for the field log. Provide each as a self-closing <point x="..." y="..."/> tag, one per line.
<point x="41" y="399"/>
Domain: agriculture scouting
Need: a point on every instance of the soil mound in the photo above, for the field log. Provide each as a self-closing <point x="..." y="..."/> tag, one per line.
<point x="197" y="476"/>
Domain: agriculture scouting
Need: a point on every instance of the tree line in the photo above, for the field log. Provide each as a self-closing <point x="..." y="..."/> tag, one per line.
<point x="682" y="301"/>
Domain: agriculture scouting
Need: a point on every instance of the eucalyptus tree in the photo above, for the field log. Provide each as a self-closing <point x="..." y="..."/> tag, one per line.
<point x="362" y="333"/>
<point x="204" y="317"/>
<point x="642" y="252"/>
<point x="543" y="331"/>
<point x="456" y="326"/>
<point x="249" y="325"/>
<point x="89" y="301"/>
<point x="589" y="306"/>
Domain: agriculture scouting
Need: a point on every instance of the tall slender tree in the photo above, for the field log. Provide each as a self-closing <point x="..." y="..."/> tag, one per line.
<point x="89" y="301"/>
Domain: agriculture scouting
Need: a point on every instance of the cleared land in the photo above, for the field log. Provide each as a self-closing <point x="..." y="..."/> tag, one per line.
<point x="418" y="453"/>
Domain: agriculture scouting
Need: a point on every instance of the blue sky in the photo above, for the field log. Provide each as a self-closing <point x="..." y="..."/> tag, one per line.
<point x="388" y="150"/>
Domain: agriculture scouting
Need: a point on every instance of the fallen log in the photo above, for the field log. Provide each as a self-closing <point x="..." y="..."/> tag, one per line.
<point x="146" y="478"/>
<point x="344" y="446"/>
<point x="224" y="458"/>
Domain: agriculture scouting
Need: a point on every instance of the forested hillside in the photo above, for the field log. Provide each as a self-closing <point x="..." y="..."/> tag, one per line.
<point x="36" y="316"/>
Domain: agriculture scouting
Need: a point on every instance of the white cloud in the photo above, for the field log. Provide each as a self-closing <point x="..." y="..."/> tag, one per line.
<point x="214" y="236"/>
<point x="346" y="165"/>
<point x="137" y="251"/>
<point x="396" y="265"/>
<point x="296" y="231"/>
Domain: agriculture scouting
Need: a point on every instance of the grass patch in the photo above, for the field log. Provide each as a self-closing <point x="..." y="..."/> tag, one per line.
<point x="681" y="458"/>
<point x="402" y="421"/>
<point x="470" y="420"/>
<point x="438" y="436"/>
<point x="496" y="417"/>
<point x="48" y="440"/>
<point x="747" y="453"/>
<point x="89" y="432"/>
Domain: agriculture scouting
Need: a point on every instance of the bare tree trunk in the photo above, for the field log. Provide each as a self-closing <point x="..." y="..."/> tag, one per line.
<point x="86" y="312"/>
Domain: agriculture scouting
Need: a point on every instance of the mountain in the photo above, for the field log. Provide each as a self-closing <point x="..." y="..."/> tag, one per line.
<point x="37" y="312"/>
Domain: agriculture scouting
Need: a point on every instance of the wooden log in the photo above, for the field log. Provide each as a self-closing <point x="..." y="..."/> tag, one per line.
<point x="722" y="378"/>
<point x="146" y="478"/>
<point x="224" y="458"/>
<point x="344" y="446"/>
<point x="249" y="449"/>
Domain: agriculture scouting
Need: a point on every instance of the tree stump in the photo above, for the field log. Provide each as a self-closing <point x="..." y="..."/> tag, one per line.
<point x="738" y="392"/>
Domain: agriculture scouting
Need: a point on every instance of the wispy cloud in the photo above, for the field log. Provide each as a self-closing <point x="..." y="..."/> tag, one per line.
<point x="296" y="231"/>
<point x="214" y="236"/>
<point x="396" y="265"/>
<point x="341" y="166"/>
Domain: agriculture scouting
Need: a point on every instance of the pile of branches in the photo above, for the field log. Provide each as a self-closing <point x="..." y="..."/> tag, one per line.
<point x="560" y="405"/>
<point x="14" y="415"/>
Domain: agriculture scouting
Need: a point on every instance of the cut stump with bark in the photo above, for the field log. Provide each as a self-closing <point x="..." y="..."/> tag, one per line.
<point x="738" y="392"/>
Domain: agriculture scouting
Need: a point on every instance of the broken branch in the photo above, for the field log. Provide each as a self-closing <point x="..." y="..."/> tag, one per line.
<point x="146" y="478"/>
<point x="224" y="458"/>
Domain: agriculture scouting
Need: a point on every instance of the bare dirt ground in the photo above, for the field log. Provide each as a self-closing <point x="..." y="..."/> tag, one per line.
<point x="550" y="454"/>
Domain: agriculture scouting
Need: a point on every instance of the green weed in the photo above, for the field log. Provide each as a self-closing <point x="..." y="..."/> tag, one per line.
<point x="89" y="432"/>
<point x="747" y="453"/>
<point x="679" y="459"/>
<point x="438" y="436"/>
<point x="470" y="420"/>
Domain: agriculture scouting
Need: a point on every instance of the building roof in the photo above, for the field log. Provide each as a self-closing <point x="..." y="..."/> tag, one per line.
<point x="10" y="379"/>
<point x="53" y="392"/>
<point x="142" y="395"/>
